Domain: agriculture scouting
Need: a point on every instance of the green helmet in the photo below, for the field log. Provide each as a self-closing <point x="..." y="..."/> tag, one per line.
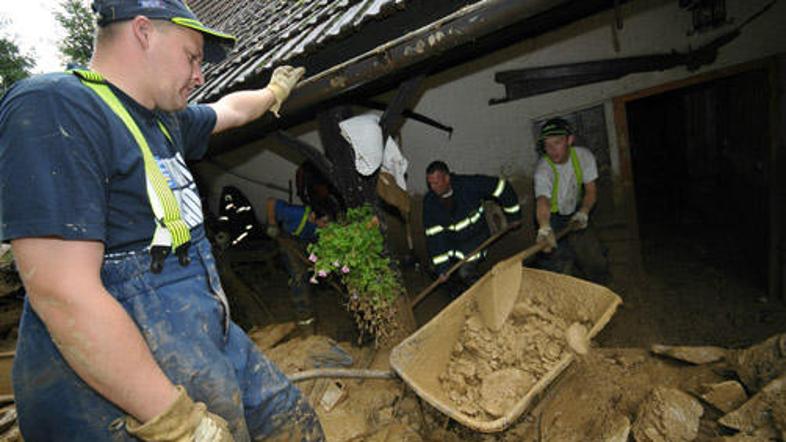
<point x="553" y="128"/>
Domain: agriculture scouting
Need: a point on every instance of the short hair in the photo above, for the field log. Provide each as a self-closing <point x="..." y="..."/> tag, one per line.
<point x="437" y="166"/>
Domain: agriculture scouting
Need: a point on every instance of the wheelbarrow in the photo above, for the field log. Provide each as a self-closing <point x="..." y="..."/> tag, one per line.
<point x="423" y="356"/>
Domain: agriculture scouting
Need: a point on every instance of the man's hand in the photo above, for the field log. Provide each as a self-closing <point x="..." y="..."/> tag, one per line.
<point x="184" y="420"/>
<point x="281" y="84"/>
<point x="580" y="220"/>
<point x="546" y="235"/>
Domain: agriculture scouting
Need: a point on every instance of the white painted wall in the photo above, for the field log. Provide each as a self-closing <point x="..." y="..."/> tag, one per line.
<point x="498" y="139"/>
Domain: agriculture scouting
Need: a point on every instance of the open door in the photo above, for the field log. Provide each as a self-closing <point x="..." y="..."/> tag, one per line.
<point x="701" y="159"/>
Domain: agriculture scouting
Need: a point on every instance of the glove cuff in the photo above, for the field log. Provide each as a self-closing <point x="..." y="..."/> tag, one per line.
<point x="177" y="421"/>
<point x="545" y="231"/>
<point x="280" y="94"/>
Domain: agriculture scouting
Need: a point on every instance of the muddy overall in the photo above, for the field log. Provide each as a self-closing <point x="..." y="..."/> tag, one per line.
<point x="182" y="315"/>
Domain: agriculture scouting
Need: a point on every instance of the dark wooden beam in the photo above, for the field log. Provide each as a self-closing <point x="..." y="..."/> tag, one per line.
<point x="356" y="189"/>
<point x="310" y="152"/>
<point x="406" y="97"/>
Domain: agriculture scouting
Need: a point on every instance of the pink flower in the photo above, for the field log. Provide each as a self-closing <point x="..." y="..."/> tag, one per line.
<point x="313" y="280"/>
<point x="345" y="269"/>
<point x="312" y="258"/>
<point x="322" y="273"/>
<point x="336" y="264"/>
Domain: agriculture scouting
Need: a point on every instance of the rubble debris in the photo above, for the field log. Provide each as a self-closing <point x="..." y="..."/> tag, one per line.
<point x="766" y="409"/>
<point x="691" y="355"/>
<point x="529" y="344"/>
<point x="271" y="335"/>
<point x="316" y="351"/>
<point x="667" y="414"/>
<point x="334" y="393"/>
<point x="725" y="396"/>
<point x="577" y="337"/>
<point x="501" y="390"/>
<point x="392" y="432"/>
<point x="756" y="366"/>
<point x="617" y="429"/>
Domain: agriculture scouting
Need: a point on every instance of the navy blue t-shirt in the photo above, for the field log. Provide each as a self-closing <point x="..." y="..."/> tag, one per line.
<point x="70" y="168"/>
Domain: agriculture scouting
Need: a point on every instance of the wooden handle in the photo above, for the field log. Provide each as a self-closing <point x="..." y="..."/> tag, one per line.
<point x="533" y="249"/>
<point x="463" y="260"/>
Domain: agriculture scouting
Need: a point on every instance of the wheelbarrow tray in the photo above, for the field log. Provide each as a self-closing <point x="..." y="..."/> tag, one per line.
<point x="423" y="356"/>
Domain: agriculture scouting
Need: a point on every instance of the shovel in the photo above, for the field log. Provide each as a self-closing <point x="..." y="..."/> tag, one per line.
<point x="499" y="288"/>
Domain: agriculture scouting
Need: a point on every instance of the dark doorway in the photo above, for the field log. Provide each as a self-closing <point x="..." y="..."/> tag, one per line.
<point x="700" y="166"/>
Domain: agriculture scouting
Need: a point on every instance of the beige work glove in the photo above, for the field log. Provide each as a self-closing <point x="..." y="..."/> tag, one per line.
<point x="184" y="421"/>
<point x="281" y="84"/>
<point x="546" y="235"/>
<point x="580" y="220"/>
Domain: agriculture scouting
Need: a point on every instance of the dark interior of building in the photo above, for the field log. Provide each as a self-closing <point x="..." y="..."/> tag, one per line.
<point x="700" y="165"/>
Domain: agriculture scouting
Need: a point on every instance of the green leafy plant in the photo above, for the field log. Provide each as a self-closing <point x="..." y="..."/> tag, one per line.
<point x="352" y="250"/>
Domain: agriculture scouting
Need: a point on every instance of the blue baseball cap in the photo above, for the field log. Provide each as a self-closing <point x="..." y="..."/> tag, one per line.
<point x="217" y="43"/>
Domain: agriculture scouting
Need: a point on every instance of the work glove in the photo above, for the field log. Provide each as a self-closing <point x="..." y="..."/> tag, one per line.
<point x="281" y="84"/>
<point x="546" y="235"/>
<point x="272" y="231"/>
<point x="580" y="220"/>
<point x="184" y="421"/>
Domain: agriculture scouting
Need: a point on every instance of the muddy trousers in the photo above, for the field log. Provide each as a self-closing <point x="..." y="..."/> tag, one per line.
<point x="181" y="313"/>
<point x="298" y="272"/>
<point x="580" y="252"/>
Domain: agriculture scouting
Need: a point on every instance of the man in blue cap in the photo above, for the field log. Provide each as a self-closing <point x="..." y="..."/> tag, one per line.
<point x="125" y="332"/>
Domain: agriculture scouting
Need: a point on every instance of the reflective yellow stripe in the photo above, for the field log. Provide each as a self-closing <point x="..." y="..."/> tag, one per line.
<point x="171" y="219"/>
<point x="574" y="159"/>
<point x="431" y="231"/>
<point x="511" y="209"/>
<point x="439" y="259"/>
<point x="476" y="216"/>
<point x="464" y="223"/>
<point x="461" y="225"/>
<point x="500" y="188"/>
<point x="303" y="220"/>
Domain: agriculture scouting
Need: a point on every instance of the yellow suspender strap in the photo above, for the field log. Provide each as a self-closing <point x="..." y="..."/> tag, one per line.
<point x="303" y="220"/>
<point x="163" y="199"/>
<point x="574" y="159"/>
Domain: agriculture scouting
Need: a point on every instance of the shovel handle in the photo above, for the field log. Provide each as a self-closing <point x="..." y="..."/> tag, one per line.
<point x="461" y="262"/>
<point x="341" y="373"/>
<point x="533" y="249"/>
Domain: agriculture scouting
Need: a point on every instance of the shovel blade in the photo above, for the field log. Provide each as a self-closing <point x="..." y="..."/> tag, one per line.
<point x="499" y="292"/>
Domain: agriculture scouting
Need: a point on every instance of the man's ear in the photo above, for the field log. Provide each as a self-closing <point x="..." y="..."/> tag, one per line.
<point x="143" y="30"/>
<point x="571" y="139"/>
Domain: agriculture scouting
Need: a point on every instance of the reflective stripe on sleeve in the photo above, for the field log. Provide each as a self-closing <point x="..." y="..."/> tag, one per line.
<point x="512" y="209"/>
<point x="433" y="230"/>
<point x="500" y="188"/>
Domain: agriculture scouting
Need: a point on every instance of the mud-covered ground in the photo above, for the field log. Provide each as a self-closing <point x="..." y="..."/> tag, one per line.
<point x="690" y="292"/>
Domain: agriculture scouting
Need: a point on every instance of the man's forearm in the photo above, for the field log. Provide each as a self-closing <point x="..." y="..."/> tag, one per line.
<point x="103" y="345"/>
<point x="543" y="212"/>
<point x="590" y="197"/>
<point x="242" y="107"/>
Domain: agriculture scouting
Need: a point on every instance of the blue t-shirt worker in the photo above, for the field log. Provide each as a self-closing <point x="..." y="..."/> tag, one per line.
<point x="125" y="333"/>
<point x="299" y="224"/>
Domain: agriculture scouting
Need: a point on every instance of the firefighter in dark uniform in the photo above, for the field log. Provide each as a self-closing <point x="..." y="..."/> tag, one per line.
<point x="454" y="222"/>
